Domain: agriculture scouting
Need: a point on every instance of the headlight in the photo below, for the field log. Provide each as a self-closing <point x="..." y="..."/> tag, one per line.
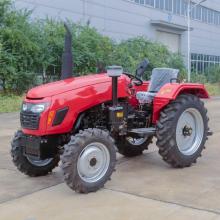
<point x="35" y="108"/>
<point x="38" y="108"/>
<point x="24" y="107"/>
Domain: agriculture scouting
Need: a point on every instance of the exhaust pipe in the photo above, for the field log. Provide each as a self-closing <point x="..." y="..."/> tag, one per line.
<point x="67" y="57"/>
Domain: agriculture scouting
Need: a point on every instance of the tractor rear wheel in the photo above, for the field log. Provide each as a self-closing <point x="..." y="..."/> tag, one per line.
<point x="182" y="131"/>
<point x="88" y="160"/>
<point x="29" y="165"/>
<point x="132" y="147"/>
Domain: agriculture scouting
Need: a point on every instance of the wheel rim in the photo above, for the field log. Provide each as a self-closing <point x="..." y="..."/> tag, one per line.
<point x="189" y="131"/>
<point x="136" y="141"/>
<point x="37" y="162"/>
<point x="93" y="162"/>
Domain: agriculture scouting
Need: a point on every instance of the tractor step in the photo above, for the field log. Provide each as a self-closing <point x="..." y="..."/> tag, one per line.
<point x="143" y="132"/>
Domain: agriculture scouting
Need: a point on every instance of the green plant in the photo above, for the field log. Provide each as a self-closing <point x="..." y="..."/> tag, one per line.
<point x="130" y="52"/>
<point x="10" y="103"/>
<point x="213" y="89"/>
<point x="198" y="78"/>
<point x="213" y="74"/>
<point x="91" y="51"/>
<point x="18" y="48"/>
<point x="32" y="48"/>
<point x="176" y="61"/>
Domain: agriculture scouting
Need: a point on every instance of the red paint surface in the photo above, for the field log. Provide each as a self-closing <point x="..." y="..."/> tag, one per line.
<point x="82" y="93"/>
<point x="170" y="92"/>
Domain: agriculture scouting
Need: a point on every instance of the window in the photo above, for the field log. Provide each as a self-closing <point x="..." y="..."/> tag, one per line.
<point x="193" y="11"/>
<point x="180" y="7"/>
<point x="216" y="14"/>
<point x="198" y="10"/>
<point x="159" y="4"/>
<point x="204" y="14"/>
<point x="149" y="2"/>
<point x="201" y="63"/>
<point x="210" y="16"/>
<point x="184" y="5"/>
<point x="162" y="4"/>
<point x="176" y="7"/>
<point x="168" y="5"/>
<point x="218" y="18"/>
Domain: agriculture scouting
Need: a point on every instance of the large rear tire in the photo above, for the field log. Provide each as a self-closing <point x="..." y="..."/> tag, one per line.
<point x="88" y="160"/>
<point x="182" y="131"/>
<point x="132" y="147"/>
<point x="28" y="165"/>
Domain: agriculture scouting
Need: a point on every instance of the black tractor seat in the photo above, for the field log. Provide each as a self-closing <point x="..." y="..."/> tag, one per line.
<point x="159" y="77"/>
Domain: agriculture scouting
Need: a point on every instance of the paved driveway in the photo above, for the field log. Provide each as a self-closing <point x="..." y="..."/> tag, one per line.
<point x="142" y="188"/>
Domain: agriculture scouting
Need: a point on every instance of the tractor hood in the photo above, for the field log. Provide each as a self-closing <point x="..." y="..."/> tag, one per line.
<point x="62" y="86"/>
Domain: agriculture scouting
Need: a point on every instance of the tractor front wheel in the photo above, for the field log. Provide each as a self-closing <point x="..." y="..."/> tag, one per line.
<point x="88" y="160"/>
<point x="29" y="165"/>
<point x="182" y="131"/>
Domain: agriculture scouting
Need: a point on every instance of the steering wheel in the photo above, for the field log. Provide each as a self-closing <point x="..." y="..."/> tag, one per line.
<point x="134" y="79"/>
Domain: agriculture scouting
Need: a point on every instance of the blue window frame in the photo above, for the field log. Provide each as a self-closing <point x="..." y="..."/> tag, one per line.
<point x="179" y="7"/>
<point x="201" y="63"/>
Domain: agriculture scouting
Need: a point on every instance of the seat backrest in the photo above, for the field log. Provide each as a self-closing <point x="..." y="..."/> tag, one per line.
<point x="160" y="77"/>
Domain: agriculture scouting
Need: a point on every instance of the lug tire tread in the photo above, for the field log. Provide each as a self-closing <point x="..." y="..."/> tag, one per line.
<point x="70" y="157"/>
<point x="166" y="136"/>
<point x="23" y="165"/>
<point x="128" y="150"/>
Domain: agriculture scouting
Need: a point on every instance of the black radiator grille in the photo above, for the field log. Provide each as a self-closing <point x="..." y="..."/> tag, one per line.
<point x="29" y="120"/>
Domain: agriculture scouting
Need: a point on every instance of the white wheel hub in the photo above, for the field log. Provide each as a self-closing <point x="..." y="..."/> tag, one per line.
<point x="93" y="162"/>
<point x="38" y="162"/>
<point x="136" y="141"/>
<point x="189" y="131"/>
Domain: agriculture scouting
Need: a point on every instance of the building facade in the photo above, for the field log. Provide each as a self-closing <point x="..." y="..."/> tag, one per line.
<point x="159" y="20"/>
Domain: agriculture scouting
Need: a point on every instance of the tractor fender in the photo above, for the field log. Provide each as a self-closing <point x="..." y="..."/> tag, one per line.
<point x="171" y="91"/>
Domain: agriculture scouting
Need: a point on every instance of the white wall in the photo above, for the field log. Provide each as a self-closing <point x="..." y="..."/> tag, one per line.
<point x="121" y="19"/>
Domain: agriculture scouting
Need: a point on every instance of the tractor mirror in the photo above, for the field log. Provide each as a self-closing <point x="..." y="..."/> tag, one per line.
<point x="114" y="71"/>
<point x="141" y="68"/>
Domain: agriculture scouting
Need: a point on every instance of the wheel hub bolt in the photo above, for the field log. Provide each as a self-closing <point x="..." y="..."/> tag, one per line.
<point x="187" y="131"/>
<point x="93" y="162"/>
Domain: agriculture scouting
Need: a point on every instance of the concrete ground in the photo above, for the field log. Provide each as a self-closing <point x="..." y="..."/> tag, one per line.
<point x="142" y="188"/>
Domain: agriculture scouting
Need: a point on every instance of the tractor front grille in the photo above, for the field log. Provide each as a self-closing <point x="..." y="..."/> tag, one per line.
<point x="29" y="120"/>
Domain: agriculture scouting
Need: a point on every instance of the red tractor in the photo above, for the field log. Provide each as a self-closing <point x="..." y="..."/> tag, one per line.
<point x="86" y="120"/>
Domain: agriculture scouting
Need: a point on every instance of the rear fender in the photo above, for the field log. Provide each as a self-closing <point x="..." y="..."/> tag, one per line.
<point x="171" y="91"/>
